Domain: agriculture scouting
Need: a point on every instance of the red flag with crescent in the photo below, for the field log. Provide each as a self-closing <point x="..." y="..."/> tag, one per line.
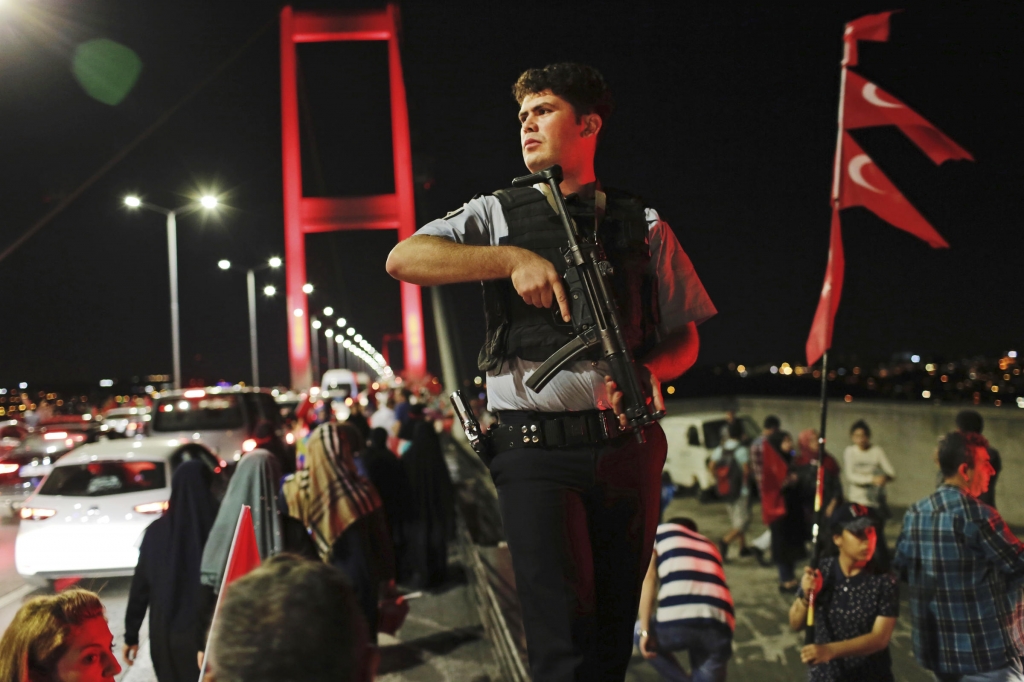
<point x="871" y="27"/>
<point x="864" y="184"/>
<point x="243" y="556"/>
<point x="820" y="338"/>
<point x="867" y="105"/>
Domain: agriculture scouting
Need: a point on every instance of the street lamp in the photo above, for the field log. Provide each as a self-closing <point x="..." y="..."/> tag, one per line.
<point x="341" y="322"/>
<point x="307" y="288"/>
<point x="274" y="262"/>
<point x="342" y="348"/>
<point x="329" y="333"/>
<point x="207" y="202"/>
<point x="328" y="311"/>
<point x="268" y="290"/>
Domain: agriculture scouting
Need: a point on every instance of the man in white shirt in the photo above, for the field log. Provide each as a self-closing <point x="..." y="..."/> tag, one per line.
<point x="579" y="501"/>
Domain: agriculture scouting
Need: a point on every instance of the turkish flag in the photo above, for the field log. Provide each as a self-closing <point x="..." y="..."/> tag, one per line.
<point x="866" y="105"/>
<point x="243" y="557"/>
<point x="820" y="339"/>
<point x="862" y="183"/>
<point x="870" y="27"/>
<point x="245" y="553"/>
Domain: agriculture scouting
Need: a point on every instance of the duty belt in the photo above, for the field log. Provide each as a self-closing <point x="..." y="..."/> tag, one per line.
<point x="518" y="429"/>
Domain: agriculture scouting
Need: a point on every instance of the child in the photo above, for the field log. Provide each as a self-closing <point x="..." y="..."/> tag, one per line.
<point x="855" y="607"/>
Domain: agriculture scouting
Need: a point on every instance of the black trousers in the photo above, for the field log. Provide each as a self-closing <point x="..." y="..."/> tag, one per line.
<point x="580" y="524"/>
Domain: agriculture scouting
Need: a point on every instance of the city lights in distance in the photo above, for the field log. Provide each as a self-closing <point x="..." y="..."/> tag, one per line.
<point x="328" y="311"/>
<point x="23" y="385"/>
<point x="926" y="394"/>
<point x="223" y="264"/>
<point x="915" y="358"/>
<point x="208" y="201"/>
<point x="106" y="383"/>
<point x="342" y="321"/>
<point x="132" y="202"/>
<point x="307" y="288"/>
<point x="270" y="290"/>
<point x="274" y="262"/>
<point x="1012" y="354"/>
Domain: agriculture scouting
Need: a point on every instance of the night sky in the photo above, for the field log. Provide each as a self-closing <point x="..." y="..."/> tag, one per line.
<point x="726" y="123"/>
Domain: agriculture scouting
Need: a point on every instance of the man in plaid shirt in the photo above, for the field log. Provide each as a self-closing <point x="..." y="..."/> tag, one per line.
<point x="966" y="572"/>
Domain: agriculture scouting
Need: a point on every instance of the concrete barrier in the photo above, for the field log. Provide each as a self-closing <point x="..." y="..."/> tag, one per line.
<point x="907" y="432"/>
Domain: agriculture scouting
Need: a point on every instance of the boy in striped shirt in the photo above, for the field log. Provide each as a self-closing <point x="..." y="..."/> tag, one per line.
<point x="685" y="605"/>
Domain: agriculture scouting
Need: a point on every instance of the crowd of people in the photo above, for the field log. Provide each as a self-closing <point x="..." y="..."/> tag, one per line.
<point x="356" y="520"/>
<point x="963" y="567"/>
<point x="337" y="538"/>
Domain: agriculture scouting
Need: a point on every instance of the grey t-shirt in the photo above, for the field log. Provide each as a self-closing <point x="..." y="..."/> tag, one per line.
<point x="681" y="300"/>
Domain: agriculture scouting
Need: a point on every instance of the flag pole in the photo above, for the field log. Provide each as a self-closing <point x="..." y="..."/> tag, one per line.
<point x="819" y="488"/>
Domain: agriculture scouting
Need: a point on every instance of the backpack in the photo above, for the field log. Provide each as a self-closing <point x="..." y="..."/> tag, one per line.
<point x="728" y="476"/>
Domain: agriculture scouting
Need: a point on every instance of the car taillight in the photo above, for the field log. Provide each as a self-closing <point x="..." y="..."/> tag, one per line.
<point x="8" y="468"/>
<point x="152" y="507"/>
<point x="248" y="445"/>
<point x="36" y="514"/>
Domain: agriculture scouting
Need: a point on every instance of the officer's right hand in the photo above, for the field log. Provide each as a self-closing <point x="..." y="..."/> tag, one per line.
<point x="537" y="281"/>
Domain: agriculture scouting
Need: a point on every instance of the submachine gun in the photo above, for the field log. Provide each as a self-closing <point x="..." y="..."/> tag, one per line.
<point x="595" y="322"/>
<point x="593" y="311"/>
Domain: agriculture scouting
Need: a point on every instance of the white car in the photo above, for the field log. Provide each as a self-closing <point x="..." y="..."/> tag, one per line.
<point x="88" y="516"/>
<point x="691" y="440"/>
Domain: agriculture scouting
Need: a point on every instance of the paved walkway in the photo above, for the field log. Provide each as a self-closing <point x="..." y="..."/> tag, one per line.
<point x="764" y="649"/>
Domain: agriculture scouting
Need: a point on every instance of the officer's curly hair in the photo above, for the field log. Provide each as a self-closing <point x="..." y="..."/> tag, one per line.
<point x="580" y="85"/>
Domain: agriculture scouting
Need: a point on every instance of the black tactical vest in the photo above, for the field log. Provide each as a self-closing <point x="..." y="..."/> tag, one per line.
<point x="518" y="330"/>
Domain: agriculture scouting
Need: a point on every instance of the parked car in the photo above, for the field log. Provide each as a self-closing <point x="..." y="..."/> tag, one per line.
<point x="691" y="439"/>
<point x="23" y="468"/>
<point x="126" y="422"/>
<point x="230" y="421"/>
<point x="88" y="517"/>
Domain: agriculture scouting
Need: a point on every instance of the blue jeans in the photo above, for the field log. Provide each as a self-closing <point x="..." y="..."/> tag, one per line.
<point x="709" y="647"/>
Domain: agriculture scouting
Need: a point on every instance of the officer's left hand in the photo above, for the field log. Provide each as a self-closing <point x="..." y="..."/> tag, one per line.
<point x="650" y="383"/>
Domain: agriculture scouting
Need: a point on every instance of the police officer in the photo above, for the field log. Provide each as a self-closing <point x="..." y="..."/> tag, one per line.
<point x="579" y="499"/>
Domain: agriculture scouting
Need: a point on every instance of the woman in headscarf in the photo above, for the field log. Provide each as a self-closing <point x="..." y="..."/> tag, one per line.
<point x="780" y="508"/>
<point x="166" y="580"/>
<point x="388" y="477"/>
<point x="344" y="515"/>
<point x="255" y="484"/>
<point x="433" y="498"/>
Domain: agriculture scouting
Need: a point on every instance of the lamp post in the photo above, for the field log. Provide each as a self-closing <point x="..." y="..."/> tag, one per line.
<point x="314" y="333"/>
<point x="329" y="333"/>
<point x="269" y="290"/>
<point x="208" y="202"/>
